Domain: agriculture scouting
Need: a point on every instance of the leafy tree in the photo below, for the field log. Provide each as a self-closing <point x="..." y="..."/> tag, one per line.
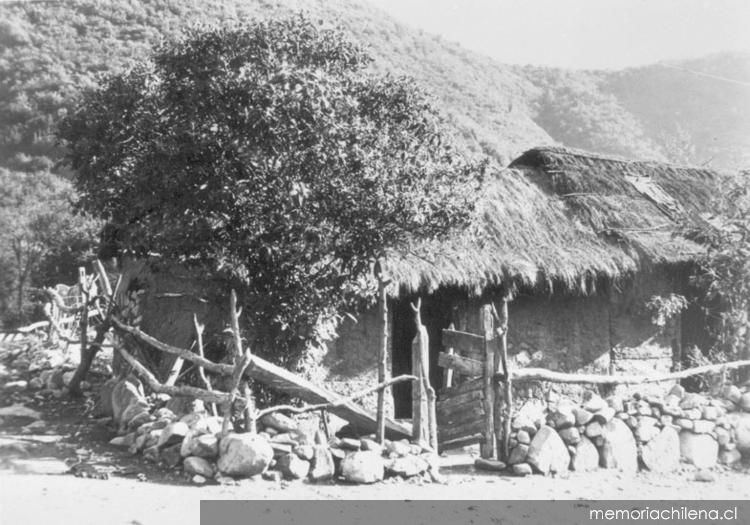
<point x="41" y="239"/>
<point x="724" y="270"/>
<point x="268" y="153"/>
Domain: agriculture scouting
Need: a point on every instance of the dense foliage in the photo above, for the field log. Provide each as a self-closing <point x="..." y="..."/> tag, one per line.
<point x="50" y="51"/>
<point x="724" y="272"/>
<point x="268" y="153"/>
<point x="42" y="240"/>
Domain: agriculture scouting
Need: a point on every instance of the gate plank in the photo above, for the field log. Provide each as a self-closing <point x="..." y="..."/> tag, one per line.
<point x="461" y="415"/>
<point x="461" y="430"/>
<point x="461" y="441"/>
<point x="466" y="386"/>
<point x="464" y="343"/>
<point x="462" y="365"/>
<point x="466" y="398"/>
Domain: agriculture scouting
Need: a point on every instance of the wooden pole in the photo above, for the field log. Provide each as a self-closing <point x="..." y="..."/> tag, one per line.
<point x="242" y="360"/>
<point x="507" y="413"/>
<point x="489" y="447"/>
<point x="382" y="354"/>
<point x="201" y="372"/>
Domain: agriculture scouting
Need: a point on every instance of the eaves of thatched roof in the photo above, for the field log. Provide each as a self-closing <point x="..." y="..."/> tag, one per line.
<point x="560" y="218"/>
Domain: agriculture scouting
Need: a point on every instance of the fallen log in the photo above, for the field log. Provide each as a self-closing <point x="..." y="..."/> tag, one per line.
<point x="541" y="374"/>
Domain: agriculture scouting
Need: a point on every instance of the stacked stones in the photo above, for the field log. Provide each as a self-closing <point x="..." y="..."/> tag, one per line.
<point x="656" y="432"/>
<point x="181" y="432"/>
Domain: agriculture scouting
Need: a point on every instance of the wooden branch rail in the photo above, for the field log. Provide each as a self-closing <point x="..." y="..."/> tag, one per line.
<point x="156" y="386"/>
<point x="57" y="327"/>
<point x="199" y="328"/>
<point x="217" y="368"/>
<point x="541" y="374"/>
<point x="341" y="402"/>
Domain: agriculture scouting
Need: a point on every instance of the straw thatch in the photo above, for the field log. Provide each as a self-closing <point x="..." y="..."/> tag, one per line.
<point x="564" y="218"/>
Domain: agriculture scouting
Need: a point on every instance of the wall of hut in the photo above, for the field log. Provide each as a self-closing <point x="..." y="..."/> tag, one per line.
<point x="610" y="331"/>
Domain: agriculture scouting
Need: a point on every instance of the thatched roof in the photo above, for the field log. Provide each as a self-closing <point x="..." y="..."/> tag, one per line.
<point x="561" y="218"/>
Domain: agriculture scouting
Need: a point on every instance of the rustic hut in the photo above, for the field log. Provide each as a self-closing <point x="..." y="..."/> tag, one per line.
<point x="582" y="241"/>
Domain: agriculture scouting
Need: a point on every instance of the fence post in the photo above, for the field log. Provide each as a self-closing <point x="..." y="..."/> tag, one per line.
<point x="506" y="399"/>
<point x="489" y="447"/>
<point x="420" y="409"/>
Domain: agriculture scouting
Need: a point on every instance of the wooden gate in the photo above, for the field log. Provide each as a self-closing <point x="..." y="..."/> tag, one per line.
<point x="469" y="410"/>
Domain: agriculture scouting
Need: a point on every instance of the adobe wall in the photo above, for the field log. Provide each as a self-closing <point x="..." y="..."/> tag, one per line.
<point x="608" y="332"/>
<point x="350" y="363"/>
<point x="639" y="346"/>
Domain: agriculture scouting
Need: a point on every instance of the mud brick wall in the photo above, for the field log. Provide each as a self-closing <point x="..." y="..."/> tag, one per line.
<point x="638" y="346"/>
<point x="567" y="334"/>
<point x="351" y="360"/>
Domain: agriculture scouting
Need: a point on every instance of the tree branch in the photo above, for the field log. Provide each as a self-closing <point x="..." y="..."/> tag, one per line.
<point x="335" y="404"/>
<point x="540" y="374"/>
<point x="156" y="386"/>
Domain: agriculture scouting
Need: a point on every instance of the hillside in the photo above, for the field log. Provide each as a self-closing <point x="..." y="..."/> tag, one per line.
<point x="50" y="51"/>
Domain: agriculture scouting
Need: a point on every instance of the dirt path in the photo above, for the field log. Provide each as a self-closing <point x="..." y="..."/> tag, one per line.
<point x="57" y="498"/>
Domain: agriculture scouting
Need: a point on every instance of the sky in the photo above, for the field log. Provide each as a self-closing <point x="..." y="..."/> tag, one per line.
<point x="601" y="34"/>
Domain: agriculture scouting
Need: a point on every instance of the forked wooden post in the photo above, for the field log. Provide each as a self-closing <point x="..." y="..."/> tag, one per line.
<point x="424" y="422"/>
<point x="489" y="446"/>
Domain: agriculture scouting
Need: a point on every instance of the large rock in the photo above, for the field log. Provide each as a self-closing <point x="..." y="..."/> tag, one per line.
<point x="618" y="450"/>
<point x="530" y="416"/>
<point x="730" y="457"/>
<point x="701" y="450"/>
<point x="407" y="466"/>
<point x="594" y="429"/>
<point x="662" y="452"/>
<point x="182" y="405"/>
<point x="172" y="434"/>
<point x="244" y="455"/>
<point x="363" y="466"/>
<point x="583" y="417"/>
<point x="518" y="454"/>
<point x="646" y="429"/>
<point x="201" y="445"/>
<point x="693" y="401"/>
<point x="490" y="464"/>
<point x="171" y="455"/>
<point x="323" y="467"/>
<point x="205" y="424"/>
<point x="570" y="435"/>
<point x="127" y="395"/>
<point x="744" y="402"/>
<point x="104" y="408"/>
<point x="594" y="402"/>
<point x="741" y="424"/>
<point x="198" y="466"/>
<point x="292" y="466"/>
<point x="586" y="457"/>
<point x="279" y="421"/>
<point x="547" y="452"/>
<point x="563" y="417"/>
<point x="732" y="393"/>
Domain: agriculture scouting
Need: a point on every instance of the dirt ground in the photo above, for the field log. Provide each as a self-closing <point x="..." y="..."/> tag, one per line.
<point x="35" y="486"/>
